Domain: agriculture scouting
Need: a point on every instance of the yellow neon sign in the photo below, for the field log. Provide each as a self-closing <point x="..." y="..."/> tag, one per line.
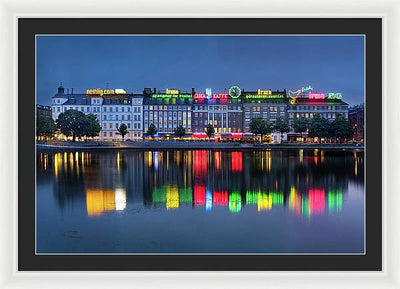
<point x="264" y="92"/>
<point x="99" y="91"/>
<point x="171" y="91"/>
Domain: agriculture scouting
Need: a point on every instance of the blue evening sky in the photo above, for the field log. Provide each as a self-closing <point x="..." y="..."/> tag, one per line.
<point x="327" y="63"/>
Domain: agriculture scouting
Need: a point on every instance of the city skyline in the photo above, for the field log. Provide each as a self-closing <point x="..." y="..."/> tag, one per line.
<point x="328" y="63"/>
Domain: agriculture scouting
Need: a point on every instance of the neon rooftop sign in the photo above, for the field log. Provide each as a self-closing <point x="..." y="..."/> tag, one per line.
<point x="334" y="95"/>
<point x="172" y="91"/>
<point x="314" y="95"/>
<point x="255" y="96"/>
<point x="160" y="95"/>
<point x="101" y="92"/>
<point x="214" y="96"/>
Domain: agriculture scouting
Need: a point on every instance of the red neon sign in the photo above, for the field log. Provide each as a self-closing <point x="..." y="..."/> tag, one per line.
<point x="313" y="95"/>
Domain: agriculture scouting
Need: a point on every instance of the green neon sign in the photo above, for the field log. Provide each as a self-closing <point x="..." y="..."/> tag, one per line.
<point x="334" y="95"/>
<point x="261" y="96"/>
<point x="171" y="95"/>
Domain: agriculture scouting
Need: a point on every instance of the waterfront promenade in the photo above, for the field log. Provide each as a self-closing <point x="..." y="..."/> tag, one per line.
<point x="146" y="145"/>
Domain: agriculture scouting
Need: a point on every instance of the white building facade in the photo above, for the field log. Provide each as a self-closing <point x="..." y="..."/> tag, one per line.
<point x="111" y="108"/>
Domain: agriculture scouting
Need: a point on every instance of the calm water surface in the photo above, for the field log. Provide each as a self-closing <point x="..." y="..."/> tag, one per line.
<point x="200" y="201"/>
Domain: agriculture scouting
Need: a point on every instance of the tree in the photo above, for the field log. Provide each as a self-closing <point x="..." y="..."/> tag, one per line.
<point x="260" y="127"/>
<point x="45" y="127"/>
<point x="180" y="131"/>
<point x="341" y="128"/>
<point x="210" y="130"/>
<point x="72" y="123"/>
<point x="92" y="127"/>
<point x="122" y="130"/>
<point x="152" y="130"/>
<point x="319" y="127"/>
<point x="300" y="124"/>
<point x="281" y="125"/>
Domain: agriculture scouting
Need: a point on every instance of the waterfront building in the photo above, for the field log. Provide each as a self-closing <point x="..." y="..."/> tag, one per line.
<point x="305" y="102"/>
<point x="43" y="111"/>
<point x="111" y="106"/>
<point x="267" y="104"/>
<point x="222" y="110"/>
<point x="356" y="119"/>
<point x="167" y="110"/>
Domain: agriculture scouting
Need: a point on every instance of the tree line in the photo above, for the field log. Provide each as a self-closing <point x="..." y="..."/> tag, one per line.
<point x="71" y="123"/>
<point x="318" y="126"/>
<point x="76" y="124"/>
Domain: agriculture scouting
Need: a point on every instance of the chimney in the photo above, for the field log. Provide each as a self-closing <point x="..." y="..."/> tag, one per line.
<point x="155" y="90"/>
<point x="192" y="90"/>
<point x="67" y="90"/>
<point x="72" y="90"/>
<point x="61" y="89"/>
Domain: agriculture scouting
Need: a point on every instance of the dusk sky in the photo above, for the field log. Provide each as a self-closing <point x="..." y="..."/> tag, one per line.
<point x="327" y="63"/>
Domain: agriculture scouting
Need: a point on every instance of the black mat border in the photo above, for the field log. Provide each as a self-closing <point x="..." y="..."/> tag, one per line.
<point x="29" y="27"/>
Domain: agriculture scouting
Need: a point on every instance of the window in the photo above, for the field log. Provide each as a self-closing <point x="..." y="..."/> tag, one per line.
<point x="110" y="125"/>
<point x="110" y="134"/>
<point x="58" y="109"/>
<point x="122" y="109"/>
<point x="129" y="125"/>
<point x="116" y="109"/>
<point x="105" y="125"/>
<point x="104" y="117"/>
<point x="88" y="109"/>
<point x="105" y="134"/>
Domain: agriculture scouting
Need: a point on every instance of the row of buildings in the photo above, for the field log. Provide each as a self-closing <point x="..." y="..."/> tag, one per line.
<point x="229" y="112"/>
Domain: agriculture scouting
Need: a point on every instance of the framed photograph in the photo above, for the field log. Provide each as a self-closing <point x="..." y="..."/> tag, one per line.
<point x="260" y="164"/>
<point x="179" y="145"/>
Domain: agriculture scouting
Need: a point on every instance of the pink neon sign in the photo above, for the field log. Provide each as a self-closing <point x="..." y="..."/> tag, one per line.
<point x="313" y="95"/>
<point x="215" y="96"/>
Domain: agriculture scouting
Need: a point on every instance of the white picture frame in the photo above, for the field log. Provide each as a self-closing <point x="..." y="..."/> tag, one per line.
<point x="388" y="10"/>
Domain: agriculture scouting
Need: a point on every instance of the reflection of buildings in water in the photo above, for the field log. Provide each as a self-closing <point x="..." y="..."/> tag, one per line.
<point x="165" y="167"/>
<point x="84" y="175"/>
<point x="235" y="202"/>
<point x="264" y="201"/>
<point x="172" y="196"/>
<point x="99" y="201"/>
<point x="202" y="178"/>
<point x="313" y="202"/>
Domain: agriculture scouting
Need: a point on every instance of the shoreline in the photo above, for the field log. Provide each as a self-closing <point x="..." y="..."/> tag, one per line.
<point x="192" y="146"/>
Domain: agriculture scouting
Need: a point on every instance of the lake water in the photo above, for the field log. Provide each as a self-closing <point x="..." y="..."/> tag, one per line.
<point x="200" y="201"/>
